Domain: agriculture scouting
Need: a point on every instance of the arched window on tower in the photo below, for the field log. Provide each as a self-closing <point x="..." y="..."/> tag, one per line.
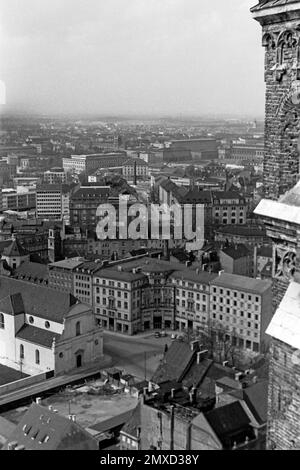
<point x="78" y="332"/>
<point x="2" y="322"/>
<point x="21" y="351"/>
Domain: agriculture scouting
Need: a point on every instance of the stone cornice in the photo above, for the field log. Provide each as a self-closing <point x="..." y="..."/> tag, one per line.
<point x="271" y="13"/>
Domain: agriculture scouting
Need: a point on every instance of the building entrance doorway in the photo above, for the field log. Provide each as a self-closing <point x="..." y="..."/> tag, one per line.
<point x="78" y="361"/>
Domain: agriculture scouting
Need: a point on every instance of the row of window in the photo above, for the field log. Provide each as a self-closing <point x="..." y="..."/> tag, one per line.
<point x="22" y="354"/>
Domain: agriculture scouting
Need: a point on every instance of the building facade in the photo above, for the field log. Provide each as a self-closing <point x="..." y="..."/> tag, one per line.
<point x="42" y="330"/>
<point x="243" y="308"/>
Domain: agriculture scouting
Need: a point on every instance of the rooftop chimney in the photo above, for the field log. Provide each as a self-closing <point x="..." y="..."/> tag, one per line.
<point x="173" y="393"/>
<point x="38" y="401"/>
<point x="194" y="346"/>
<point x="72" y="418"/>
<point x="50" y="408"/>
<point x="201" y="355"/>
<point x="12" y="445"/>
<point x="238" y="376"/>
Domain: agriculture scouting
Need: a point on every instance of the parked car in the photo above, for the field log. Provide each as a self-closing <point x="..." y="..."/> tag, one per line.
<point x="157" y="334"/>
<point x="163" y="334"/>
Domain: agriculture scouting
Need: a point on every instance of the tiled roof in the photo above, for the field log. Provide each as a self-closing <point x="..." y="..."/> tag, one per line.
<point x="195" y="196"/>
<point x="247" y="284"/>
<point x="256" y="398"/>
<point x="14" y="249"/>
<point x="226" y="195"/>
<point x="12" y="305"/>
<point x="32" y="272"/>
<point x="42" y="429"/>
<point x="132" y="426"/>
<point x="70" y="263"/>
<point x="228" y="420"/>
<point x="4" y="244"/>
<point x="237" y="252"/>
<point x="38" y="300"/>
<point x="175" y="363"/>
<point x="192" y="275"/>
<point x="111" y="423"/>
<point x="242" y="231"/>
<point x="37" y="336"/>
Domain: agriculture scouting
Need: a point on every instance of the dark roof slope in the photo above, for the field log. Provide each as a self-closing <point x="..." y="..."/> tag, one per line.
<point x="14" y="249"/>
<point x="38" y="300"/>
<point x="32" y="272"/>
<point x="132" y="426"/>
<point x="229" y="422"/>
<point x="42" y="429"/>
<point x="175" y="363"/>
<point x="236" y="252"/>
<point x="12" y="305"/>
<point x="37" y="336"/>
<point x="256" y="398"/>
<point x="112" y="423"/>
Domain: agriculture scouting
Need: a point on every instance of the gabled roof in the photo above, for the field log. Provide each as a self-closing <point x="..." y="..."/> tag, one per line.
<point x="12" y="305"/>
<point x="131" y="427"/>
<point x="32" y="272"/>
<point x="38" y="300"/>
<point x="42" y="429"/>
<point x="113" y="422"/>
<point x="15" y="249"/>
<point x="37" y="336"/>
<point x="195" y="196"/>
<point x="236" y="252"/>
<point x="228" y="422"/>
<point x="175" y="363"/>
<point x="256" y="398"/>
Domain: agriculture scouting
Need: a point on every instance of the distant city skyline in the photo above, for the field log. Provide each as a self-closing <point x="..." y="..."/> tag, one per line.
<point x="134" y="57"/>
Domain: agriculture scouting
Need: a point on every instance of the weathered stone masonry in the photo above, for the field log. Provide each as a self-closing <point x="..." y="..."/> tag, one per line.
<point x="281" y="39"/>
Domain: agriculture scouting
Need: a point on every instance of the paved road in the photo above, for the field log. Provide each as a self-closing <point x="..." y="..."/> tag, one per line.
<point x="135" y="354"/>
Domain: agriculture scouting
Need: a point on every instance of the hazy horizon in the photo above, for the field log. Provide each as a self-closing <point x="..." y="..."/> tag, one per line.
<point x="156" y="58"/>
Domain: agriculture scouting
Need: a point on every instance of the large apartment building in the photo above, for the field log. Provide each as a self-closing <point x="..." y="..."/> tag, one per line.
<point x="243" y="308"/>
<point x="16" y="200"/>
<point x="53" y="202"/>
<point x="90" y="163"/>
<point x="145" y="294"/>
<point x="229" y="208"/>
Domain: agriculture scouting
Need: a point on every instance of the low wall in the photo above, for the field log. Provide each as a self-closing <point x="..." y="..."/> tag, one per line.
<point x="22" y="383"/>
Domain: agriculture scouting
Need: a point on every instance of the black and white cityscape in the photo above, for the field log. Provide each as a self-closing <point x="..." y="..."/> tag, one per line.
<point x="149" y="227"/>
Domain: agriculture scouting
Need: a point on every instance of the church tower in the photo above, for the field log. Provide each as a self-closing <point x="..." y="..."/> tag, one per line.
<point x="280" y="21"/>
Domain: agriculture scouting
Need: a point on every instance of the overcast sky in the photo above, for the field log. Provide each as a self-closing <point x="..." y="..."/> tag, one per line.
<point x="132" y="56"/>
